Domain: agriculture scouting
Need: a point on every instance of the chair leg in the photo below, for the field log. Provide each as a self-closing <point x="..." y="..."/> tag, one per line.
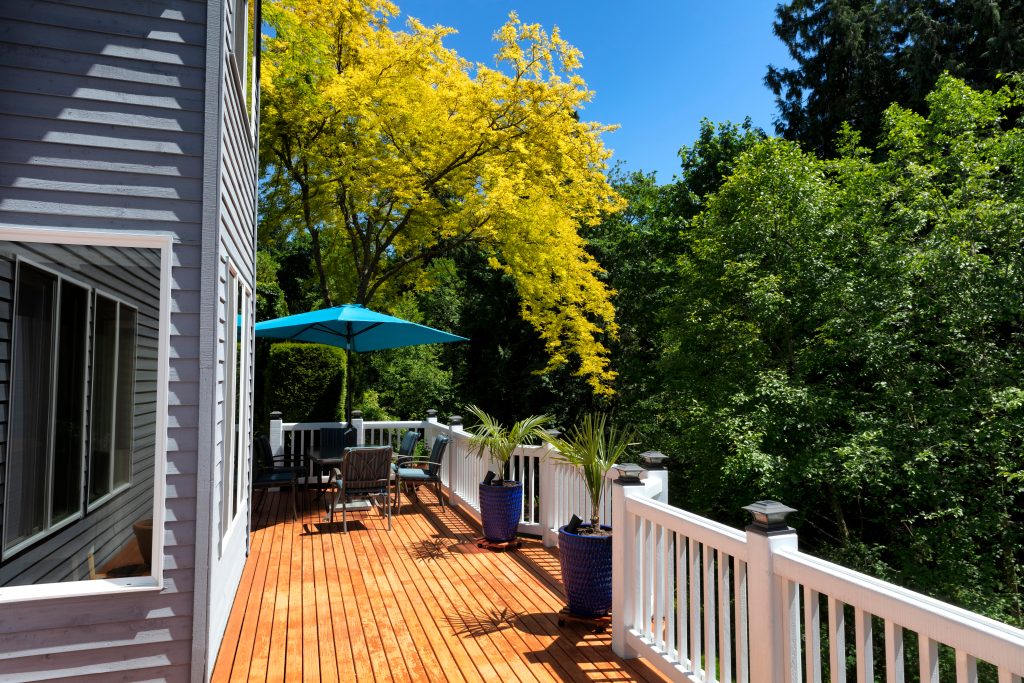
<point x="439" y="496"/>
<point x="398" y="493"/>
<point x="344" y="512"/>
<point x="295" y="512"/>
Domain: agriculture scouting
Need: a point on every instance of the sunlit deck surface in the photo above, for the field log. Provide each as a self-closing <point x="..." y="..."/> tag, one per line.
<point x="420" y="603"/>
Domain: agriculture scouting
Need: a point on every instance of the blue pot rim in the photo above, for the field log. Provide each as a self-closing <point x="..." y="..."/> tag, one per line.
<point x="515" y="485"/>
<point x="562" y="530"/>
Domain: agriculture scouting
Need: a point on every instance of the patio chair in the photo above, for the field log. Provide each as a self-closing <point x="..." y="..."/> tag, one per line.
<point x="407" y="449"/>
<point x="333" y="442"/>
<point x="424" y="472"/>
<point x="364" y="472"/>
<point x="267" y="473"/>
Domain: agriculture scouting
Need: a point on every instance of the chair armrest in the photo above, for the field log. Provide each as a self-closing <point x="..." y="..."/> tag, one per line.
<point x="419" y="464"/>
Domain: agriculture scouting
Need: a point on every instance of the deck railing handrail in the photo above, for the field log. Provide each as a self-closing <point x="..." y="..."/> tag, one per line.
<point x="688" y="591"/>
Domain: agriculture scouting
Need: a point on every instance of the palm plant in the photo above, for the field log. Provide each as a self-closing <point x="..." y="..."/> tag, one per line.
<point x="490" y="436"/>
<point x="594" y="447"/>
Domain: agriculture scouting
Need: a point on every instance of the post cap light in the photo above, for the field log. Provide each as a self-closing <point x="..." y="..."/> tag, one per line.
<point x="655" y="459"/>
<point x="553" y="433"/>
<point x="769" y="516"/>
<point x="628" y="473"/>
<point x="455" y="420"/>
<point x="357" y="415"/>
<point x="276" y="415"/>
<point x="431" y="413"/>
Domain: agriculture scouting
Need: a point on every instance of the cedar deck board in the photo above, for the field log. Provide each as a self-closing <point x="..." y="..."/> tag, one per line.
<point x="419" y="603"/>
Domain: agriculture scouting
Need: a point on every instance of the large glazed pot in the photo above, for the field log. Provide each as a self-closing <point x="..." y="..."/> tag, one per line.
<point x="501" y="507"/>
<point x="586" y="572"/>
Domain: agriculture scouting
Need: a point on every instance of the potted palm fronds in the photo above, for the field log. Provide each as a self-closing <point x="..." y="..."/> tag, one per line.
<point x="585" y="551"/>
<point x="501" y="501"/>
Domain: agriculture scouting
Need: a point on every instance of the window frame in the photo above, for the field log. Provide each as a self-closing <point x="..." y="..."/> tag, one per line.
<point x="237" y="440"/>
<point x="115" y="489"/>
<point x="163" y="243"/>
<point x="59" y="278"/>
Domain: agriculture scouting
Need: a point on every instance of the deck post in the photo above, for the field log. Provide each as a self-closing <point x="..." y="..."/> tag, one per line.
<point x="625" y="578"/>
<point x="654" y="463"/>
<point x="548" y="506"/>
<point x="357" y="422"/>
<point x="276" y="433"/>
<point x="457" y="481"/>
<point x="768" y="534"/>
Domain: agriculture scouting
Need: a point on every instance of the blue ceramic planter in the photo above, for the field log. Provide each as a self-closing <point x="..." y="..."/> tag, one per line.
<point x="501" y="507"/>
<point x="586" y="572"/>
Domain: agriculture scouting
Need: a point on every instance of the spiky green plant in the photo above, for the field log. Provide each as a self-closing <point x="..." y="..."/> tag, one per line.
<point x="594" y="447"/>
<point x="490" y="436"/>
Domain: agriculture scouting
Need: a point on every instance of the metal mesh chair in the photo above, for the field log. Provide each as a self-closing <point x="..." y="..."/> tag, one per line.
<point x="267" y="472"/>
<point x="424" y="472"/>
<point x="364" y="472"/>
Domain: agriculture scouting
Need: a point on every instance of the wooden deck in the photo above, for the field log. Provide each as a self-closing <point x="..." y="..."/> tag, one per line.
<point x="420" y="603"/>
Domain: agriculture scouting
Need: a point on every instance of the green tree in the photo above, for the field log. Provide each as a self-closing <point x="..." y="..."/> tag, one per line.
<point x="387" y="149"/>
<point x="848" y="335"/>
<point x="853" y="58"/>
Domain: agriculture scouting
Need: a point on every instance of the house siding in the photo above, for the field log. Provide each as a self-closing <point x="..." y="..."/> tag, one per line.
<point x="236" y="248"/>
<point x="105" y="125"/>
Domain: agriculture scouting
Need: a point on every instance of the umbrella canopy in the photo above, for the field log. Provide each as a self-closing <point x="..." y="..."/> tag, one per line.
<point x="353" y="327"/>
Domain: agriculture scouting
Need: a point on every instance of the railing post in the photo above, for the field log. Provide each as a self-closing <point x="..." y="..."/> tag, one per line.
<point x="430" y="429"/>
<point x="276" y="433"/>
<point x="455" y="477"/>
<point x="546" y="514"/>
<point x="357" y="422"/>
<point x="767" y="535"/>
<point x="625" y="585"/>
<point x="654" y="463"/>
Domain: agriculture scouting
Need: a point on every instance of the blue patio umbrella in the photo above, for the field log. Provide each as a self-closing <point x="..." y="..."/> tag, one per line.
<point x="353" y="327"/>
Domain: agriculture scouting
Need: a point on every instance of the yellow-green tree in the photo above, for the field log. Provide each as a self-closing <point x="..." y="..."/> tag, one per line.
<point x="387" y="148"/>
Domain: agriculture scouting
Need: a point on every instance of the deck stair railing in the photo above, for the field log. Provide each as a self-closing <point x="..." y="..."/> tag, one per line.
<point x="705" y="602"/>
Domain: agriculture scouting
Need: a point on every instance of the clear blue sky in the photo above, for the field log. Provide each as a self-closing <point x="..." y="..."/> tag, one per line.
<point x="657" y="66"/>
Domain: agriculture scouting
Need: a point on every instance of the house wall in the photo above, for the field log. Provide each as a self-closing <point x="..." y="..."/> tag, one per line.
<point x="106" y="124"/>
<point x="235" y="216"/>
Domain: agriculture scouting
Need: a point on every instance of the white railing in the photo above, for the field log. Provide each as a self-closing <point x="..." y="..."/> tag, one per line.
<point x="705" y="602"/>
<point x="553" y="491"/>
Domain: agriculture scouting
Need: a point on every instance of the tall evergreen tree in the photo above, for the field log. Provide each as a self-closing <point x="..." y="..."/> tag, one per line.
<point x="856" y="57"/>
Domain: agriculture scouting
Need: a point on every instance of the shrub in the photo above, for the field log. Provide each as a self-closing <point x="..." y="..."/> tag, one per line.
<point x="306" y="382"/>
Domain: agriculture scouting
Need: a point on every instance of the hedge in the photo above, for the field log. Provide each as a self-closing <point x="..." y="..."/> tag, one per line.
<point x="306" y="382"/>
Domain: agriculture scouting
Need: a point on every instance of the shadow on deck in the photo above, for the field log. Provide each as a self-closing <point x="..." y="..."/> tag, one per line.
<point x="419" y="603"/>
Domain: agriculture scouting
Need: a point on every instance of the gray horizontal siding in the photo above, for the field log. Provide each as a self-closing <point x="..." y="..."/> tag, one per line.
<point x="101" y="127"/>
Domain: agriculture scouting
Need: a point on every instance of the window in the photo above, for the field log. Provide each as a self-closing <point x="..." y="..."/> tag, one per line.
<point x="237" y="372"/>
<point x="84" y="322"/>
<point x="46" y="424"/>
<point x="113" y="398"/>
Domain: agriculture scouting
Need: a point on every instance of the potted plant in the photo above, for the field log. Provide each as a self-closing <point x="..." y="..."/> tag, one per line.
<point x="501" y="501"/>
<point x="585" y="551"/>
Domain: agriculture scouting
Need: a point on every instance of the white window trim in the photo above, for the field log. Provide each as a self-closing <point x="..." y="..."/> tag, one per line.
<point x="52" y="528"/>
<point x="244" y="394"/>
<point x="237" y="440"/>
<point x="154" y="581"/>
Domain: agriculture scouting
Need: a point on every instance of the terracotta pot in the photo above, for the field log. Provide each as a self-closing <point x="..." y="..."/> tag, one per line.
<point x="144" y="535"/>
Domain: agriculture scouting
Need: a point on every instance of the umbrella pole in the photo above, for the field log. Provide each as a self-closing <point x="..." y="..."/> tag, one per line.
<point x="348" y="386"/>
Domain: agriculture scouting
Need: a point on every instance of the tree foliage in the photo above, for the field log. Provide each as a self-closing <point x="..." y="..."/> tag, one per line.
<point x="388" y="150"/>
<point x="849" y="335"/>
<point x="856" y="57"/>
